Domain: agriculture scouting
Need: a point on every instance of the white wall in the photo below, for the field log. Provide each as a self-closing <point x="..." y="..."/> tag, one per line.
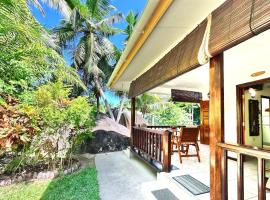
<point x="239" y="63"/>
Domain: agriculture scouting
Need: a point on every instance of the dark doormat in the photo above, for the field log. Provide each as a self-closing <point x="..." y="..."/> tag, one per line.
<point x="192" y="185"/>
<point x="164" y="194"/>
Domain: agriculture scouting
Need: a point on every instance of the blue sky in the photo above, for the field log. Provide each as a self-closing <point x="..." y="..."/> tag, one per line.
<point x="52" y="19"/>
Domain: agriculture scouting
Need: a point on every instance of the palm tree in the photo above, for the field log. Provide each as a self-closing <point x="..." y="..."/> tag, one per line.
<point x="131" y="20"/>
<point x="88" y="32"/>
<point x="64" y="6"/>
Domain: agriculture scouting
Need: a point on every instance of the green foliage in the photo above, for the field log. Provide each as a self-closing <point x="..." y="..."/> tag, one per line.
<point x="131" y="20"/>
<point x="82" y="185"/>
<point x="57" y="124"/>
<point x="147" y="102"/>
<point x="171" y="114"/>
<point x="26" y="58"/>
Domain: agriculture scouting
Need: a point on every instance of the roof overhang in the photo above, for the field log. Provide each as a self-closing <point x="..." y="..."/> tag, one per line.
<point x="172" y="22"/>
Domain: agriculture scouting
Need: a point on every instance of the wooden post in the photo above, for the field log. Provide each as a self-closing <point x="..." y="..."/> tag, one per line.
<point x="132" y="123"/>
<point x="261" y="179"/>
<point x="166" y="150"/>
<point x="240" y="177"/>
<point x="224" y="175"/>
<point x="216" y="121"/>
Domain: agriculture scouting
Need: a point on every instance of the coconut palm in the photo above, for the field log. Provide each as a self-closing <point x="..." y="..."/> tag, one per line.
<point x="131" y="20"/>
<point x="64" y="6"/>
<point x="87" y="35"/>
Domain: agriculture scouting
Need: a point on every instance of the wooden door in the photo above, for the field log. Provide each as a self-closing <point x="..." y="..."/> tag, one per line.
<point x="204" y="117"/>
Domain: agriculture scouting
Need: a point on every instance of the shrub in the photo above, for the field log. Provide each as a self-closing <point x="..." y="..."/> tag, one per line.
<point x="57" y="124"/>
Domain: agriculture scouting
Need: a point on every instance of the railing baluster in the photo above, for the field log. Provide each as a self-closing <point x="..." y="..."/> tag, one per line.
<point x="261" y="179"/>
<point x="240" y="177"/>
<point x="156" y="147"/>
<point x="224" y="174"/>
<point x="152" y="146"/>
<point x="160" y="148"/>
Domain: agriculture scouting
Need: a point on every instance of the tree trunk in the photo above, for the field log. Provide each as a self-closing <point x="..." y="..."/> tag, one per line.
<point x="98" y="104"/>
<point x="100" y="90"/>
<point x="123" y="97"/>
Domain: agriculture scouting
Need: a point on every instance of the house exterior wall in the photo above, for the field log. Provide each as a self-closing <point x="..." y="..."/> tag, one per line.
<point x="239" y="63"/>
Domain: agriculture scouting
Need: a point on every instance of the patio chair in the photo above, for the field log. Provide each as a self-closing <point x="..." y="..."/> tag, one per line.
<point x="187" y="137"/>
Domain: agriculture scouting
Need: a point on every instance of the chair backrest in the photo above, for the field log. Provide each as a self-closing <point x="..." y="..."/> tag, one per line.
<point x="188" y="134"/>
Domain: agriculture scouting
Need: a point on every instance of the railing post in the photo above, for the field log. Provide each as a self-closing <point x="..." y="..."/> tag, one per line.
<point x="224" y="174"/>
<point x="166" y="150"/>
<point x="240" y="177"/>
<point x="261" y="179"/>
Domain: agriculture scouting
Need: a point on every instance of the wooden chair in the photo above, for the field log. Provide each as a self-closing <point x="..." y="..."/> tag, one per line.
<point x="187" y="137"/>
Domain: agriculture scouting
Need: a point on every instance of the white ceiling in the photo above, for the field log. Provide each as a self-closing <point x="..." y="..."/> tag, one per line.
<point x="239" y="63"/>
<point x="179" y="20"/>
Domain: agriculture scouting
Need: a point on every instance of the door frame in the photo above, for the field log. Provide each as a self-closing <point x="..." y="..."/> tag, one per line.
<point x="239" y="106"/>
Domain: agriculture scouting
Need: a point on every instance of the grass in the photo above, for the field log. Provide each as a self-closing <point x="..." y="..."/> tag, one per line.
<point x="81" y="185"/>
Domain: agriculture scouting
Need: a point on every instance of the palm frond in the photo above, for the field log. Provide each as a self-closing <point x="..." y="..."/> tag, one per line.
<point x="37" y="5"/>
<point x="111" y="20"/>
<point x="60" y="5"/>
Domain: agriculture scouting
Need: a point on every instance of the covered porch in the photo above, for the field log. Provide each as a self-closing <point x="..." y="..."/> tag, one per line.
<point x="221" y="58"/>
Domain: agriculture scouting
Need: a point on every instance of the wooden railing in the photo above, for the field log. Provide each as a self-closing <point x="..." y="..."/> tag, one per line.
<point x="154" y="144"/>
<point x="164" y="127"/>
<point x="242" y="150"/>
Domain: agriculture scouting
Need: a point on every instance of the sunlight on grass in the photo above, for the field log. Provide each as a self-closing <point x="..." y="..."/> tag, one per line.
<point x="81" y="185"/>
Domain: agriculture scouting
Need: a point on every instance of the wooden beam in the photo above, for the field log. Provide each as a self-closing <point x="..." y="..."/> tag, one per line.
<point x="216" y="122"/>
<point x="132" y="123"/>
<point x="186" y="96"/>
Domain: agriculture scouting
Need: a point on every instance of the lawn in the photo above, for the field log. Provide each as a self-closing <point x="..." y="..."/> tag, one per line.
<point x="81" y="185"/>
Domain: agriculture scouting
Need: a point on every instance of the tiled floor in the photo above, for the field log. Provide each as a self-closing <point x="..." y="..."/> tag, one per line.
<point x="201" y="171"/>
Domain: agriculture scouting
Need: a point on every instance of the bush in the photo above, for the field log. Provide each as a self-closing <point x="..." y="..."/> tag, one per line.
<point x="58" y="124"/>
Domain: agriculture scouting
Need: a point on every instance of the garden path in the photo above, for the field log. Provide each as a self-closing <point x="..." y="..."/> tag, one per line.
<point x="121" y="178"/>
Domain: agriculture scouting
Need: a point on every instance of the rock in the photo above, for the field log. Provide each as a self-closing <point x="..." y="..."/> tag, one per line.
<point x="104" y="141"/>
<point x="19" y="179"/>
<point x="35" y="175"/>
<point x="41" y="176"/>
<point x="50" y="175"/>
<point x="28" y="175"/>
<point x="2" y="182"/>
<point x="5" y="182"/>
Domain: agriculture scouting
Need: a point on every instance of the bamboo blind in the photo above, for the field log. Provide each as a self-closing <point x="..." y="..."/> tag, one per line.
<point x="182" y="58"/>
<point x="236" y="21"/>
<point x="232" y="23"/>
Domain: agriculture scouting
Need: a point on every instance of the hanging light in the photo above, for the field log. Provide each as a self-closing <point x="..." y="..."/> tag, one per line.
<point x="252" y="92"/>
<point x="259" y="73"/>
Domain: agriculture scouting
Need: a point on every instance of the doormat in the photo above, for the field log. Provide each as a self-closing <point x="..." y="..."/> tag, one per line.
<point x="192" y="185"/>
<point x="164" y="194"/>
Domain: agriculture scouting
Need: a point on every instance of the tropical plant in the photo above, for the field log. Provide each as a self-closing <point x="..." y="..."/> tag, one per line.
<point x="92" y="32"/>
<point x="131" y="20"/>
<point x="64" y="6"/>
<point x="148" y="102"/>
<point x="171" y="114"/>
<point x="46" y="126"/>
<point x="25" y="58"/>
